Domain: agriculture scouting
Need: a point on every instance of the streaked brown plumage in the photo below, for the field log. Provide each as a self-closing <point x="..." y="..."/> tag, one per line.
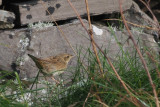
<point x="52" y="65"/>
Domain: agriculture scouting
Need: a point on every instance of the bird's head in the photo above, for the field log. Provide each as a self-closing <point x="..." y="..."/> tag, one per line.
<point x="66" y="57"/>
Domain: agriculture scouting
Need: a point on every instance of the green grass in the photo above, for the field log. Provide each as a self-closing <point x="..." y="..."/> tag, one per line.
<point x="87" y="81"/>
<point x="132" y="73"/>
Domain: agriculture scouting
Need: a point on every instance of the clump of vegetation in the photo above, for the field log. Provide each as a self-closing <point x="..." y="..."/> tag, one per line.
<point x="88" y="87"/>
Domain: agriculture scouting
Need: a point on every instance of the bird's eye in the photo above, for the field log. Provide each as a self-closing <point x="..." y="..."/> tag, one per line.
<point x="67" y="56"/>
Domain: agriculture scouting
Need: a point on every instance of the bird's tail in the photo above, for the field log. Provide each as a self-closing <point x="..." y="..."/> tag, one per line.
<point x="33" y="58"/>
<point x="36" y="60"/>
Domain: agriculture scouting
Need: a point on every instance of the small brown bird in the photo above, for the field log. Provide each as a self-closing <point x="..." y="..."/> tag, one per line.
<point x="52" y="65"/>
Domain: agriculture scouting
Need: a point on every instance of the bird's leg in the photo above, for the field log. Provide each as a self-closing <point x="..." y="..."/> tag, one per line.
<point x="57" y="82"/>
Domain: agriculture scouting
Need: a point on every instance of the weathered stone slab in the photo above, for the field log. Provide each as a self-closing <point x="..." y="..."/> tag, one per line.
<point x="34" y="11"/>
<point x="136" y="16"/>
<point x="16" y="44"/>
<point x="6" y="19"/>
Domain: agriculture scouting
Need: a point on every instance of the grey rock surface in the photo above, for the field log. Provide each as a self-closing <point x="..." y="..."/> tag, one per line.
<point x="35" y="10"/>
<point x="16" y="44"/>
<point x="136" y="16"/>
<point x="6" y="19"/>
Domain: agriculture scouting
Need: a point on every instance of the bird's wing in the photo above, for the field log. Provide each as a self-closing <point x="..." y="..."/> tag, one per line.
<point x="58" y="61"/>
<point x="47" y="65"/>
